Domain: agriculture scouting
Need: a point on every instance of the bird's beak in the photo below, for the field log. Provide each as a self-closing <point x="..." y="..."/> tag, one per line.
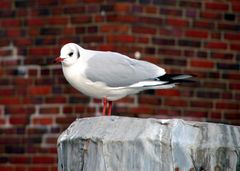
<point x="59" y="59"/>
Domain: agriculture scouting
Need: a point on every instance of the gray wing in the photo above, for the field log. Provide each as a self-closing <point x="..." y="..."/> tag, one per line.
<point x="116" y="70"/>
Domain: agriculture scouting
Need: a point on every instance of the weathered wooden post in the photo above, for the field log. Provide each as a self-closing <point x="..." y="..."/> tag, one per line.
<point x="133" y="144"/>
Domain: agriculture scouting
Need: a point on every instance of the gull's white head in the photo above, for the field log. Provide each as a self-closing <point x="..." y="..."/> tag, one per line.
<point x="69" y="54"/>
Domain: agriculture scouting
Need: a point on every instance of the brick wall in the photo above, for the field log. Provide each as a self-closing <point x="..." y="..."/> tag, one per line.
<point x="186" y="36"/>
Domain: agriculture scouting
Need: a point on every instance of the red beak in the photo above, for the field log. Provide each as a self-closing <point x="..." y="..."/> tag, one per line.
<point x="59" y="59"/>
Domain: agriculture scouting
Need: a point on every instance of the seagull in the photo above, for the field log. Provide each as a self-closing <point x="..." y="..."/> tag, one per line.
<point x="110" y="75"/>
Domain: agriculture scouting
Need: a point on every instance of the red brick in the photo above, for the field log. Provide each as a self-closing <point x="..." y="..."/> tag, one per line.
<point x="23" y="42"/>
<point x="177" y="22"/>
<point x="93" y="38"/>
<point x="190" y="4"/>
<point x="57" y="11"/>
<point x="54" y="168"/>
<point x="99" y="18"/>
<point x="226" y="95"/>
<point x="202" y="104"/>
<point x="170" y="12"/>
<point x="234" y="86"/>
<point x="203" y="24"/>
<point x="92" y="1"/>
<point x="227" y="26"/>
<point x="151" y="59"/>
<point x="213" y="85"/>
<point x="5" y="52"/>
<point x="125" y="19"/>
<point x="151" y="9"/>
<point x="81" y="19"/>
<point x="52" y="140"/>
<point x="43" y="159"/>
<point x="168" y="93"/>
<point x="47" y="2"/>
<point x="232" y="116"/>
<point x="69" y="31"/>
<point x="10" y="22"/>
<point x="49" y="110"/>
<point x="68" y="1"/>
<point x="232" y="36"/>
<point x="38" y="168"/>
<point x="174" y="32"/>
<point x="7" y="168"/>
<point x="211" y="15"/>
<point x="151" y="100"/>
<point x="57" y="99"/>
<point x="175" y="102"/>
<point x="231" y="76"/>
<point x="79" y="109"/>
<point x="39" y="90"/>
<point x="65" y="119"/>
<point x="76" y="9"/>
<point x="127" y="99"/>
<point x="57" y="21"/>
<point x="20" y="159"/>
<point x="227" y="105"/>
<point x="222" y="56"/>
<point x="216" y="35"/>
<point x="170" y="52"/>
<point x="42" y="120"/>
<point x="107" y="47"/>
<point x="216" y="45"/>
<point x="235" y="46"/>
<point x="162" y="111"/>
<point x="10" y="100"/>
<point x="33" y="31"/>
<point x="68" y="109"/>
<point x="14" y="32"/>
<point x="22" y="12"/>
<point x="121" y="38"/>
<point x="36" y="130"/>
<point x="144" y="40"/>
<point x="36" y="22"/>
<point x="142" y="109"/>
<point x="20" y="110"/>
<point x="5" y="4"/>
<point x="236" y="7"/>
<point x="6" y="92"/>
<point x="22" y="81"/>
<point x="39" y="51"/>
<point x="114" y="28"/>
<point x="216" y="6"/>
<point x="21" y="168"/>
<point x="2" y="120"/>
<point x="215" y="115"/>
<point x="151" y="20"/>
<point x="163" y="41"/>
<point x="197" y="34"/>
<point x="201" y="63"/>
<point x="122" y="7"/>
<point x="144" y="30"/>
<point x="198" y="113"/>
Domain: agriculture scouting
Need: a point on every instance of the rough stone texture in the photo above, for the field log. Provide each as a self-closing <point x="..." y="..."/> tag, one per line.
<point x="132" y="144"/>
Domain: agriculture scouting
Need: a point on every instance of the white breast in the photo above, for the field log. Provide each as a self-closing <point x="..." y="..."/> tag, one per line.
<point x="74" y="74"/>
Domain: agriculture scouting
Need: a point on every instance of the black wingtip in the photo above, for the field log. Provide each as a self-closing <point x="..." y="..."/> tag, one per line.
<point x="176" y="78"/>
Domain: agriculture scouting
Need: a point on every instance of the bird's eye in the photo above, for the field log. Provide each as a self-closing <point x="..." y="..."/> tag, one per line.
<point x="70" y="54"/>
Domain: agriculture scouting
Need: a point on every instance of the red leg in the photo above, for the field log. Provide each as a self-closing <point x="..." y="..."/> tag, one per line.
<point x="109" y="108"/>
<point x="104" y="106"/>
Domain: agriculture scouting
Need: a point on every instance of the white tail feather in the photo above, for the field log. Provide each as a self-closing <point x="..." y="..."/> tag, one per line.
<point x="147" y="84"/>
